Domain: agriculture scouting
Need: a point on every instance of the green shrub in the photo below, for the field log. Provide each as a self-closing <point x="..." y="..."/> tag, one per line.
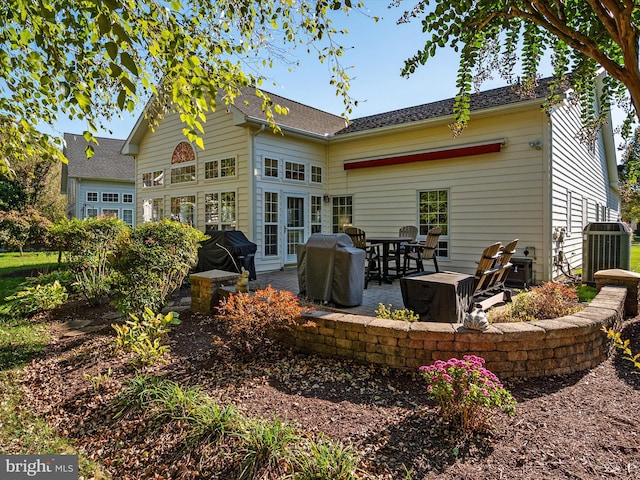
<point x="152" y="262"/>
<point x="550" y="300"/>
<point x="31" y="300"/>
<point x="89" y="244"/>
<point x="21" y="228"/>
<point x="65" y="277"/>
<point x="147" y="337"/>
<point x="404" y="315"/>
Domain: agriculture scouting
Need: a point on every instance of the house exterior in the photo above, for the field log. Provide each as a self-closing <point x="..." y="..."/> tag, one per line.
<point x="101" y="185"/>
<point x="517" y="171"/>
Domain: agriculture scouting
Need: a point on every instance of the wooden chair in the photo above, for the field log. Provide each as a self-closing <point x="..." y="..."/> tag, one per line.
<point x="503" y="264"/>
<point x="397" y="254"/>
<point x="372" y="262"/>
<point x="421" y="252"/>
<point x="486" y="270"/>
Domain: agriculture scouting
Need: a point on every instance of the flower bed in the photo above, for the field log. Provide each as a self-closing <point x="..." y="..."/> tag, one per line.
<point x="527" y="349"/>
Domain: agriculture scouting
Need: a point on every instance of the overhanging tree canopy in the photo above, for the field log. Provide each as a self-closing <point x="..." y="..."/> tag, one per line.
<point x="92" y="59"/>
<point x="492" y="35"/>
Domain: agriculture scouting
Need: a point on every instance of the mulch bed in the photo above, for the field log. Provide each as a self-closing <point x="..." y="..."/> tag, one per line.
<point x="580" y="426"/>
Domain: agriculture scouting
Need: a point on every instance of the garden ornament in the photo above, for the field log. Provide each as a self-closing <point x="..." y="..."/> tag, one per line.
<point x="476" y="319"/>
<point x="242" y="285"/>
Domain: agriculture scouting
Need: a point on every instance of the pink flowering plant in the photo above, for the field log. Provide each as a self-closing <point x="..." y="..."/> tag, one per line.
<point x="466" y="392"/>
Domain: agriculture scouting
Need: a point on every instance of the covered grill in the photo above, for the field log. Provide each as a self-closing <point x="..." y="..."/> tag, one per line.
<point x="331" y="269"/>
<point x="228" y="250"/>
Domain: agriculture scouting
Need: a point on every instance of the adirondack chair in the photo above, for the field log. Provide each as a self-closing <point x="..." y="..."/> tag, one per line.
<point x="486" y="270"/>
<point x="493" y="269"/>
<point x="504" y="264"/>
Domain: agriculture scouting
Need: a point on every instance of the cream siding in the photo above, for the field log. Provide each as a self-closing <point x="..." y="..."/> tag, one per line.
<point x="492" y="197"/>
<point x="580" y="174"/>
<point x="222" y="140"/>
<point x="285" y="148"/>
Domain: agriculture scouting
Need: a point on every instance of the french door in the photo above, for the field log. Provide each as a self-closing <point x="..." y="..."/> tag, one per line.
<point x="295" y="227"/>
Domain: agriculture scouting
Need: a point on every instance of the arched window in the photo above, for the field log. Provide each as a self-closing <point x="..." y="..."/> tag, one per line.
<point x="183" y="153"/>
<point x="185" y="157"/>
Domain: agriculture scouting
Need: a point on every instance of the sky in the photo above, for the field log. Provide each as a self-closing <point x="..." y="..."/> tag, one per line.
<point x="376" y="51"/>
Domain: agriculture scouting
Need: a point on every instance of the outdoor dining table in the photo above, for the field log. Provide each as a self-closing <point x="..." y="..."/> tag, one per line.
<point x="386" y="243"/>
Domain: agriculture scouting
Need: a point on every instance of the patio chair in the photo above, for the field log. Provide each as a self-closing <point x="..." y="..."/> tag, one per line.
<point x="503" y="264"/>
<point x="372" y="267"/>
<point x="397" y="254"/>
<point x="421" y="252"/>
<point x="486" y="271"/>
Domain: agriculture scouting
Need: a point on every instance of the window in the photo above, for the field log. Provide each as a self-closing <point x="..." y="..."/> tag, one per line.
<point x="270" y="167"/>
<point x="183" y="154"/>
<point x="316" y="174"/>
<point x="183" y="209"/>
<point x="434" y="212"/>
<point x="211" y="169"/>
<point x="270" y="223"/>
<point x="220" y="168"/>
<point x="92" y="196"/>
<point x="153" y="179"/>
<point x="152" y="209"/>
<point x="110" y="212"/>
<point x="127" y="216"/>
<point x="127" y="197"/>
<point x="91" y="213"/>
<point x="228" y="167"/>
<point x="111" y="197"/>
<point x="316" y="214"/>
<point x="341" y="212"/>
<point x="294" y="171"/>
<point x="183" y="174"/>
<point x="220" y="211"/>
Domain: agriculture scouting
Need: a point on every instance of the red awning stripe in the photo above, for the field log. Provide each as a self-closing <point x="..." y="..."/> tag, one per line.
<point x="425" y="156"/>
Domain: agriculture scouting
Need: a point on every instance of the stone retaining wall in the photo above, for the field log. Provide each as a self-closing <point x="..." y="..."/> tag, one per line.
<point x="527" y="349"/>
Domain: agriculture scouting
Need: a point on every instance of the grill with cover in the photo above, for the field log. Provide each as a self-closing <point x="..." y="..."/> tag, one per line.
<point x="228" y="250"/>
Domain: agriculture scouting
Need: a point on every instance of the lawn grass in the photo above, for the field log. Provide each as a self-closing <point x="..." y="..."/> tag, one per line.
<point x="635" y="259"/>
<point x="13" y="262"/>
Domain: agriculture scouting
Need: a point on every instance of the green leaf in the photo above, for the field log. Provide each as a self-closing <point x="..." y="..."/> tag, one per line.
<point x="112" y="50"/>
<point x="129" y="63"/>
<point x="104" y="24"/>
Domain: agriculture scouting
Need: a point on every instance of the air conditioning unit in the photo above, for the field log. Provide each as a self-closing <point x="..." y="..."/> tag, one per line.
<point x="605" y="245"/>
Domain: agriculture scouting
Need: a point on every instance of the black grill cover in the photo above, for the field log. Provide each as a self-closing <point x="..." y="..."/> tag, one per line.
<point x="216" y="253"/>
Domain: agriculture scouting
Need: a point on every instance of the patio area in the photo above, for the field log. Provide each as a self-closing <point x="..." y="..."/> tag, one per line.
<point x="374" y="294"/>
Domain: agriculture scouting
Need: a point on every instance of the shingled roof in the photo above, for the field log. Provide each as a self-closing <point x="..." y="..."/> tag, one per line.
<point x="106" y="164"/>
<point x="443" y="108"/>
<point x="300" y="117"/>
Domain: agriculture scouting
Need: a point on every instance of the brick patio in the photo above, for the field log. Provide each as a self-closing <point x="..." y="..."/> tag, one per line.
<point x="374" y="294"/>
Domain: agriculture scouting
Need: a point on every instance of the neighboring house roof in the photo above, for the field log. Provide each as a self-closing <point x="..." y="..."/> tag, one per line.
<point x="107" y="163"/>
<point x="479" y="101"/>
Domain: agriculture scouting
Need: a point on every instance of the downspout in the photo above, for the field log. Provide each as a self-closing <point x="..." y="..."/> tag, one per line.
<point x="547" y="190"/>
<point x="252" y="180"/>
